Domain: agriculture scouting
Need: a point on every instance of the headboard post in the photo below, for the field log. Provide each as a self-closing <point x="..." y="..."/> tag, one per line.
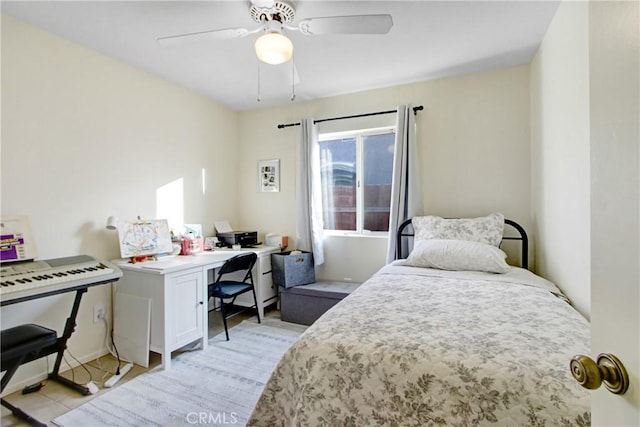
<point x="524" y="242"/>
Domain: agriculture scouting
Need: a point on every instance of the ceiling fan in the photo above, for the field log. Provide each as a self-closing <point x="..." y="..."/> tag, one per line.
<point x="275" y="18"/>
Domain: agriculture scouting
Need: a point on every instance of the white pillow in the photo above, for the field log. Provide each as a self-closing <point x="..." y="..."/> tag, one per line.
<point x="461" y="255"/>
<point x="487" y="229"/>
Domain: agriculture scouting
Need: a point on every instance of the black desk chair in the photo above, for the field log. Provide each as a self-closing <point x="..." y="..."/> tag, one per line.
<point x="22" y="344"/>
<point x="230" y="289"/>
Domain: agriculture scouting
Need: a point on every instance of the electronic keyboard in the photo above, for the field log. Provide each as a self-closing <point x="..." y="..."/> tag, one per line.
<point x="37" y="279"/>
<point x="28" y="280"/>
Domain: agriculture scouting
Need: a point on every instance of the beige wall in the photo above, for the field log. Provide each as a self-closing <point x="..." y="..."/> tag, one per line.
<point x="84" y="137"/>
<point x="473" y="143"/>
<point x="560" y="152"/>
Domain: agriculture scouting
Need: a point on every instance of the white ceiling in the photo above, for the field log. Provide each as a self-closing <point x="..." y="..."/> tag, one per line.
<point x="429" y="39"/>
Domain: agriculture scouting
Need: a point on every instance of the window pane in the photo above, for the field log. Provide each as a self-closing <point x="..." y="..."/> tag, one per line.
<point x="338" y="174"/>
<point x="377" y="173"/>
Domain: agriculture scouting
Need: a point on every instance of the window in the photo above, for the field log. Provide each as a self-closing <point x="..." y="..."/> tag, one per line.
<point x="356" y="169"/>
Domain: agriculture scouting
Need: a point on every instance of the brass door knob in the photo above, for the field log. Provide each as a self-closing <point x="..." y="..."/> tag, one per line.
<point x="608" y="370"/>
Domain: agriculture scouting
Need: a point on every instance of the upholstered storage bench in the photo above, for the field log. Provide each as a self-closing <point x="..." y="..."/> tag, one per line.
<point x="305" y="304"/>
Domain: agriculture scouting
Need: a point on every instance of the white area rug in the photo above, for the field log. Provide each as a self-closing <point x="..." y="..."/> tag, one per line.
<point x="217" y="386"/>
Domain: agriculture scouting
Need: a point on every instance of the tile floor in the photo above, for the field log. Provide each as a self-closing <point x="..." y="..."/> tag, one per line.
<point x="54" y="399"/>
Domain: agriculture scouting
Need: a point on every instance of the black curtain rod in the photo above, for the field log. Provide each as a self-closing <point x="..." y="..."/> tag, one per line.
<point x="415" y="111"/>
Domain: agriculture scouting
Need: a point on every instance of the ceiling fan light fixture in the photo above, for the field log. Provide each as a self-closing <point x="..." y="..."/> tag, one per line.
<point x="274" y="48"/>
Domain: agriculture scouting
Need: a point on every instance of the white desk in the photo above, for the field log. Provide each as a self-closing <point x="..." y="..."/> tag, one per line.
<point x="177" y="288"/>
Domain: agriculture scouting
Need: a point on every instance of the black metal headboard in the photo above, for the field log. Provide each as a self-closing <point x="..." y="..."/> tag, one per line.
<point x="405" y="231"/>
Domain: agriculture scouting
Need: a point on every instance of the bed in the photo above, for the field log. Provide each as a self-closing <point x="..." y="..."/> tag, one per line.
<point x="454" y="345"/>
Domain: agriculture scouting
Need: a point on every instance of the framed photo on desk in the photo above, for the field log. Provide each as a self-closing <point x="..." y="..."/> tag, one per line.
<point x="269" y="176"/>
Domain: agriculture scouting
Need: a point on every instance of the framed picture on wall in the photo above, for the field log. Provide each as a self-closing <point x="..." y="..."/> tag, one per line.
<point x="269" y="176"/>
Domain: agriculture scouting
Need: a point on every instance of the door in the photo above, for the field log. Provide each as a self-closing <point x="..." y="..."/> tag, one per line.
<point x="615" y="200"/>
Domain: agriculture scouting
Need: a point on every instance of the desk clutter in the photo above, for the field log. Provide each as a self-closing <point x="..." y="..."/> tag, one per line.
<point x="233" y="238"/>
<point x="193" y="242"/>
<point x="246" y="239"/>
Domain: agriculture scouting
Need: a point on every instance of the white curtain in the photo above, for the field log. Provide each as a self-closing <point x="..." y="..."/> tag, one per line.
<point x="309" y="198"/>
<point x="406" y="192"/>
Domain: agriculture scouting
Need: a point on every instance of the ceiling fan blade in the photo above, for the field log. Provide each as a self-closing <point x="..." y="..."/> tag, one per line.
<point x="356" y="24"/>
<point x="227" y="33"/>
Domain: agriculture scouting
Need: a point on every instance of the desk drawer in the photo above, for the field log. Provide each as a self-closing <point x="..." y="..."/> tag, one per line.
<point x="265" y="264"/>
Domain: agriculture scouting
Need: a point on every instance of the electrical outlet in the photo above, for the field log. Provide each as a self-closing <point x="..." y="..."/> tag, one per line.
<point x="99" y="313"/>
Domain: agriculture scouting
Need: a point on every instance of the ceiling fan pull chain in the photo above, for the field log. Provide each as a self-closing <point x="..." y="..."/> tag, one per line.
<point x="293" y="78"/>
<point x="259" y="81"/>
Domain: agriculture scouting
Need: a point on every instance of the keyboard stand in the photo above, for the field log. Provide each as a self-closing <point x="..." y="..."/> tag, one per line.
<point x="58" y="348"/>
<point x="61" y="346"/>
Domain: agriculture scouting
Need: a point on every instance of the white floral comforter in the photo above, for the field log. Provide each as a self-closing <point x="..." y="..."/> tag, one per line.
<point x="421" y="347"/>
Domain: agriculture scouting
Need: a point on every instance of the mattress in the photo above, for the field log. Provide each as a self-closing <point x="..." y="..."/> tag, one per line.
<point x="418" y="346"/>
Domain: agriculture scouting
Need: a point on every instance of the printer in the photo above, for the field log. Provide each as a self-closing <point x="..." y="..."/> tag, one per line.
<point x="246" y="239"/>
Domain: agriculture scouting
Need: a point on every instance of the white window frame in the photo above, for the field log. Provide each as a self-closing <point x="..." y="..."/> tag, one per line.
<point x="359" y="135"/>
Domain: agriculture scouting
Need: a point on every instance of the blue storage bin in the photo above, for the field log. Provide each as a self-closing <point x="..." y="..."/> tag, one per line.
<point x="292" y="270"/>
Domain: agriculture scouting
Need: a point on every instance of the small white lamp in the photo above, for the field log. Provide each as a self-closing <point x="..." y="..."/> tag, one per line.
<point x="112" y="223"/>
